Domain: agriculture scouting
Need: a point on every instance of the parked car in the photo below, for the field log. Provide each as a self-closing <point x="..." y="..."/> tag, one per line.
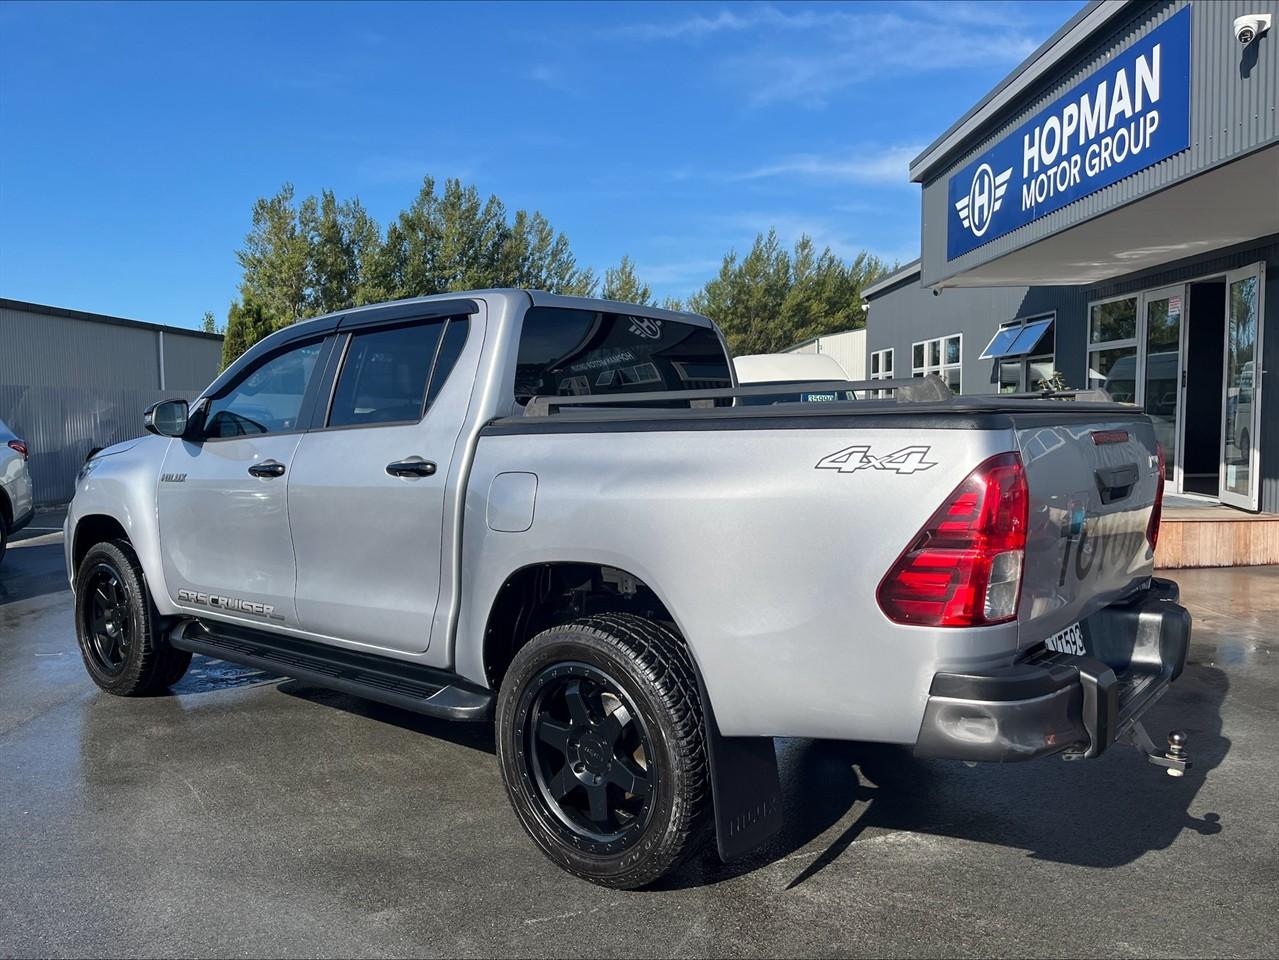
<point x="784" y="370"/>
<point x="16" y="504"/>
<point x="502" y="506"/>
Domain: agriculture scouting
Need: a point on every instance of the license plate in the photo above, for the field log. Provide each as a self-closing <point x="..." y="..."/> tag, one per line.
<point x="1070" y="640"/>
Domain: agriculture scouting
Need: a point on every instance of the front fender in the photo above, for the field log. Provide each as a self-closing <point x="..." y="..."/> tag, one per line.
<point x="122" y="486"/>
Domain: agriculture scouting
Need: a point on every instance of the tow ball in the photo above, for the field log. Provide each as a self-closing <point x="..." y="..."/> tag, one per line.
<point x="1175" y="761"/>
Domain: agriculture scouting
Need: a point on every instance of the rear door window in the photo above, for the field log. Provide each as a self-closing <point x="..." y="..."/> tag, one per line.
<point x="591" y="353"/>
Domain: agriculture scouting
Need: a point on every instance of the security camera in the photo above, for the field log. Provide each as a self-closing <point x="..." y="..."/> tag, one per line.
<point x="1248" y="28"/>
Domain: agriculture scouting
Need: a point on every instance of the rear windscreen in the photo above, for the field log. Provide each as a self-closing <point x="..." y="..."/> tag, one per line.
<point x="570" y="353"/>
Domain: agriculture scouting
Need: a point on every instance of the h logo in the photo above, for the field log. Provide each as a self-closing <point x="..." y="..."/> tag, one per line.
<point x="985" y="197"/>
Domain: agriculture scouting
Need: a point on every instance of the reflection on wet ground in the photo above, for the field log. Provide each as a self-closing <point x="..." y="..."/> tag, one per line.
<point x="207" y="674"/>
<point x="246" y="815"/>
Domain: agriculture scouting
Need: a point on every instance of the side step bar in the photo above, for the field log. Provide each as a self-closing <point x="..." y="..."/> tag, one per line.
<point x="410" y="686"/>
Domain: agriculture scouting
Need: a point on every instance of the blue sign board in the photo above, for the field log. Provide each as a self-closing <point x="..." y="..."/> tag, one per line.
<point x="1133" y="112"/>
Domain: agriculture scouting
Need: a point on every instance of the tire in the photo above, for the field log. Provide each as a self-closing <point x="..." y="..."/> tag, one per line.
<point x="4" y="535"/>
<point x="117" y="627"/>
<point x="586" y="710"/>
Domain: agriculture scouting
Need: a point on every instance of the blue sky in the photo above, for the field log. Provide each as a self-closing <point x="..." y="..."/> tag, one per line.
<point x="136" y="137"/>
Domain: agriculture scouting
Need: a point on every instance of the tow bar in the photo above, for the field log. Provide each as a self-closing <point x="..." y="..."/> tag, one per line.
<point x="1175" y="762"/>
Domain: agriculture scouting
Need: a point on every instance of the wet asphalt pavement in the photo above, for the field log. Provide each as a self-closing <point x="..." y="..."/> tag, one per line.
<point x="248" y="816"/>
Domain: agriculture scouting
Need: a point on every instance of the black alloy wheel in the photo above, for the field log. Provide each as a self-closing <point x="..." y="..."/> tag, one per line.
<point x="108" y="619"/>
<point x="601" y="747"/>
<point x="122" y="638"/>
<point x="589" y="757"/>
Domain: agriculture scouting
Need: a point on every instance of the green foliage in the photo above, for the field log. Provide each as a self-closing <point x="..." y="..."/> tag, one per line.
<point x="771" y="298"/>
<point x="305" y="258"/>
<point x="208" y="324"/>
<point x="622" y="284"/>
<point x="247" y="322"/>
<point x="1055" y="382"/>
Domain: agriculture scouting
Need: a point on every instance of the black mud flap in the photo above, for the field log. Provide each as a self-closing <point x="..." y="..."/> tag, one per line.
<point x="745" y="787"/>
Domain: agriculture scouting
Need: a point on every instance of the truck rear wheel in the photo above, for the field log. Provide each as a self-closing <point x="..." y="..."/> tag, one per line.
<point x="602" y="748"/>
<point x="123" y="646"/>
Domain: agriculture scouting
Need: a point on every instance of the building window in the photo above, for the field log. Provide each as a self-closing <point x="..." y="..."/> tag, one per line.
<point x="881" y="364"/>
<point x="881" y="368"/>
<point x="940" y="356"/>
<point x="1024" y="353"/>
<point x="1112" y="347"/>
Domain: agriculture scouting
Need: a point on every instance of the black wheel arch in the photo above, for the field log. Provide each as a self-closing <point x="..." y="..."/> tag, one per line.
<point x="542" y="595"/>
<point x="94" y="528"/>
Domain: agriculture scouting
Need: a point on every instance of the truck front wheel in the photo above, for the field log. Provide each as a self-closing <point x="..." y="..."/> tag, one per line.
<point x="120" y="639"/>
<point x="602" y="748"/>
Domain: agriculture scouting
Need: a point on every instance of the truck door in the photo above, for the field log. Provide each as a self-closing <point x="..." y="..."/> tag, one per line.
<point x="223" y="515"/>
<point x="368" y="487"/>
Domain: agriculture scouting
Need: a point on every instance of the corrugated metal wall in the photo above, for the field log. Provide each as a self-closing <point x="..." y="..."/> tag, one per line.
<point x="190" y="363"/>
<point x="907" y="313"/>
<point x="849" y="350"/>
<point x="69" y="383"/>
<point x="1233" y="111"/>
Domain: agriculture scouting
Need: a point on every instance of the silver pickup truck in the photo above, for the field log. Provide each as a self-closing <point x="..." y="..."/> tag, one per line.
<point x="567" y="517"/>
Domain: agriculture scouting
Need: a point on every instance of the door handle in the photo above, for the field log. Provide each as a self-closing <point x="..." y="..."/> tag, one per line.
<point x="267" y="468"/>
<point x="411" y="467"/>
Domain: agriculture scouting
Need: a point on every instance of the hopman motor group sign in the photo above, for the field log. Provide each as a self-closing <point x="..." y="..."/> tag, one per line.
<point x="1133" y="112"/>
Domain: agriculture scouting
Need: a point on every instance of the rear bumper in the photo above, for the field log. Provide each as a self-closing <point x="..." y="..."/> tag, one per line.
<point x="21" y="522"/>
<point x="1051" y="701"/>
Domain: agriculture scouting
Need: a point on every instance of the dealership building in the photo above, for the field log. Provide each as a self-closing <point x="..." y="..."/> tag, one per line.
<point x="1110" y="213"/>
<point x="72" y="381"/>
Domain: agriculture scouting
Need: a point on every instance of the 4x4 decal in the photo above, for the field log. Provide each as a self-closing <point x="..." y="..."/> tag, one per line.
<point x="852" y="459"/>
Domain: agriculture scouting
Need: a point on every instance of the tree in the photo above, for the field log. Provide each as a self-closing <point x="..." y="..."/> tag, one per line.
<point x="771" y="299"/>
<point x="208" y="324"/>
<point x="321" y="254"/>
<point x="745" y="299"/>
<point x="622" y="284"/>
<point x="275" y="257"/>
<point x="247" y="322"/>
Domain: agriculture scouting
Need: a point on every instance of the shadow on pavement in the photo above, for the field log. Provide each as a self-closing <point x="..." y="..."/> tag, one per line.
<point x="477" y="736"/>
<point x="1096" y="813"/>
<point x="29" y="571"/>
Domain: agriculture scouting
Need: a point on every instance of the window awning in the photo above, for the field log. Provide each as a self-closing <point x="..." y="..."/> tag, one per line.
<point x="1016" y="341"/>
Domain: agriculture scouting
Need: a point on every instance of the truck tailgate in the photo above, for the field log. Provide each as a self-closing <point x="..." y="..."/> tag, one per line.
<point x="1093" y="486"/>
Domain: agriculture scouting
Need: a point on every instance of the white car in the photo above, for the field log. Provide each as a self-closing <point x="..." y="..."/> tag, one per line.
<point x="767" y="369"/>
<point x="16" y="504"/>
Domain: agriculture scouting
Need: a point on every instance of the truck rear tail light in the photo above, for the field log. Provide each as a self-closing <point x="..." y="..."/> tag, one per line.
<point x="20" y="446"/>
<point x="964" y="567"/>
<point x="1156" y="514"/>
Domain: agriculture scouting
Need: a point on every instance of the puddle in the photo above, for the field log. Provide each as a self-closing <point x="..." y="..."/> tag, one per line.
<point x="207" y="674"/>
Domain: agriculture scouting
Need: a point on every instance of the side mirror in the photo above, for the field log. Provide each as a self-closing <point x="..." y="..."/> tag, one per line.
<point x="167" y="418"/>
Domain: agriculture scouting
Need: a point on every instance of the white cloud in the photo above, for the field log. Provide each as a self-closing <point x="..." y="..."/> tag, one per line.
<point x="841" y="46"/>
<point x="676" y="271"/>
<point x="692" y="27"/>
<point x="822" y="231"/>
<point x="886" y="166"/>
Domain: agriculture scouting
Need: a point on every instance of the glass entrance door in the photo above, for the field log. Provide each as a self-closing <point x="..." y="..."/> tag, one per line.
<point x="1241" y="406"/>
<point x="1162" y="313"/>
